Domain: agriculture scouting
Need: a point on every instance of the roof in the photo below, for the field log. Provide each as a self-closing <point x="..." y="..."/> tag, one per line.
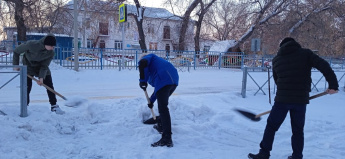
<point x="44" y="34"/>
<point x="222" y="46"/>
<point x="150" y="12"/>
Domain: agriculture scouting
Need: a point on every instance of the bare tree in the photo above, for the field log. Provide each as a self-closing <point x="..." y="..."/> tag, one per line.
<point x="32" y="15"/>
<point x="263" y="11"/>
<point x="139" y="18"/>
<point x="225" y="20"/>
<point x="19" y="6"/>
<point x="96" y="17"/>
<point x="203" y="10"/>
<point x="186" y="17"/>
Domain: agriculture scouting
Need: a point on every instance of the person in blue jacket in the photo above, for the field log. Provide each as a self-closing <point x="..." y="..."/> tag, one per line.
<point x="163" y="76"/>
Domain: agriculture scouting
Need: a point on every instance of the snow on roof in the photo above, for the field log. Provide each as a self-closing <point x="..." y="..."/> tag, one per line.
<point x="154" y="12"/>
<point x="44" y="34"/>
<point x="150" y="12"/>
<point x="222" y="46"/>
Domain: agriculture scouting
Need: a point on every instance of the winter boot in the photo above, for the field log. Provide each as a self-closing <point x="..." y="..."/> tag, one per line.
<point x="258" y="156"/>
<point x="164" y="141"/>
<point x="55" y="108"/>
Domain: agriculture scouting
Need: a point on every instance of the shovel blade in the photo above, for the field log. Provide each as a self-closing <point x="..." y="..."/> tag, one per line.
<point x="2" y="113"/>
<point x="73" y="104"/>
<point x="151" y="121"/>
<point x="248" y="115"/>
<point x="75" y="101"/>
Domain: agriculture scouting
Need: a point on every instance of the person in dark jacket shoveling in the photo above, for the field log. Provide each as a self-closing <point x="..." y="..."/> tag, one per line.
<point x="163" y="76"/>
<point x="37" y="55"/>
<point x="292" y="74"/>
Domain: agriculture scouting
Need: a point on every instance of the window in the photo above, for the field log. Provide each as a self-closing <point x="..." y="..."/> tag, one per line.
<point x="103" y="28"/>
<point x="150" y="28"/>
<point x="102" y="44"/>
<point x="153" y="46"/>
<point x="87" y="23"/>
<point x="136" y="36"/>
<point x="175" y="47"/>
<point x="118" y="45"/>
<point x="207" y="48"/>
<point x="178" y="29"/>
<point x="166" y="32"/>
<point x="79" y="43"/>
<point x="167" y="49"/>
<point x="89" y="43"/>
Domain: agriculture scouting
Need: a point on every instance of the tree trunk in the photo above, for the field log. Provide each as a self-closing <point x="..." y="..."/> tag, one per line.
<point x="185" y="22"/>
<point x="21" y="28"/>
<point x="139" y="22"/>
<point x="203" y="11"/>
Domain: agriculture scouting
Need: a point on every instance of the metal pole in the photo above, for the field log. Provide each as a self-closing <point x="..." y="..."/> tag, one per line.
<point x="123" y="43"/>
<point x="101" y="59"/>
<point x="75" y="29"/>
<point x="23" y="92"/>
<point x="244" y="82"/>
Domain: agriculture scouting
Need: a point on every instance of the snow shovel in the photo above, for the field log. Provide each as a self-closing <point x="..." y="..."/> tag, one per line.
<point x="2" y="113"/>
<point x="69" y="104"/>
<point x="154" y="119"/>
<point x="255" y="117"/>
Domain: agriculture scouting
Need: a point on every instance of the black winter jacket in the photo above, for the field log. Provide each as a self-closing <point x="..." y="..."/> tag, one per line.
<point x="292" y="73"/>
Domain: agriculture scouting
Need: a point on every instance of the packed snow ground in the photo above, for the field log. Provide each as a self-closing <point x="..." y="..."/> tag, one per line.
<point x="204" y="125"/>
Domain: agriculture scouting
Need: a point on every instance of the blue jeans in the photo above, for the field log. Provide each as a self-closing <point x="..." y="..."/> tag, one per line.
<point x="276" y="118"/>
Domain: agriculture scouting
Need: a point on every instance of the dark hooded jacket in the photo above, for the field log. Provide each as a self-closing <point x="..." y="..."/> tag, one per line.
<point x="292" y="73"/>
<point x="36" y="57"/>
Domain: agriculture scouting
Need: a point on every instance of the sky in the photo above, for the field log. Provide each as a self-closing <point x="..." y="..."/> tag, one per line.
<point x="108" y="123"/>
<point x="152" y="3"/>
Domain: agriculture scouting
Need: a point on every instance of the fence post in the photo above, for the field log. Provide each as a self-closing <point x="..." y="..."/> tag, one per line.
<point x="136" y="60"/>
<point x="242" y="60"/>
<point x="220" y="60"/>
<point x="23" y="92"/>
<point x="60" y="55"/>
<point x="119" y="63"/>
<point x="101" y="59"/>
<point x="244" y="82"/>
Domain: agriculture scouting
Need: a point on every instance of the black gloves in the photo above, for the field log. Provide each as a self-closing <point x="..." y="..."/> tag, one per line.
<point x="150" y="105"/>
<point x="143" y="85"/>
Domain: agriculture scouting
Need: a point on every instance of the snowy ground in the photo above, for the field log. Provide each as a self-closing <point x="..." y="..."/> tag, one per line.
<point x="109" y="125"/>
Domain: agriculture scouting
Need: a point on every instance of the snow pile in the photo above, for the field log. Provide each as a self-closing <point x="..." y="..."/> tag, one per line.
<point x="204" y="125"/>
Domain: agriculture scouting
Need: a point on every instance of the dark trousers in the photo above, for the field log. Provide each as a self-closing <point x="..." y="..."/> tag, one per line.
<point x="47" y="81"/>
<point x="163" y="99"/>
<point x="276" y="118"/>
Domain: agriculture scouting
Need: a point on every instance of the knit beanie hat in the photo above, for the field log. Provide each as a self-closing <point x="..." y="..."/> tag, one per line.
<point x="50" y="40"/>
<point x="285" y="41"/>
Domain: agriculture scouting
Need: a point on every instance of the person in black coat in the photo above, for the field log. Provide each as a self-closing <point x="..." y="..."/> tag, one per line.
<point x="292" y="74"/>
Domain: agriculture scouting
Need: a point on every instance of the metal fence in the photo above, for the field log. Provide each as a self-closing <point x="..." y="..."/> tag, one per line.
<point x="96" y="58"/>
<point x="111" y="58"/>
<point x="23" y="85"/>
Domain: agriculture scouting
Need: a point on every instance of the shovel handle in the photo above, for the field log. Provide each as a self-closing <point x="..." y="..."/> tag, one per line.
<point x="147" y="97"/>
<point x="149" y="102"/>
<point x="312" y="97"/>
<point x="261" y="114"/>
<point x="52" y="90"/>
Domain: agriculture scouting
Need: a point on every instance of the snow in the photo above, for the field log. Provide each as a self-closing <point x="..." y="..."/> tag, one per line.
<point x="108" y="124"/>
<point x="222" y="46"/>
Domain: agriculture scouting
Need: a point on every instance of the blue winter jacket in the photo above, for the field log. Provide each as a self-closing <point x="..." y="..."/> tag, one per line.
<point x="157" y="72"/>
